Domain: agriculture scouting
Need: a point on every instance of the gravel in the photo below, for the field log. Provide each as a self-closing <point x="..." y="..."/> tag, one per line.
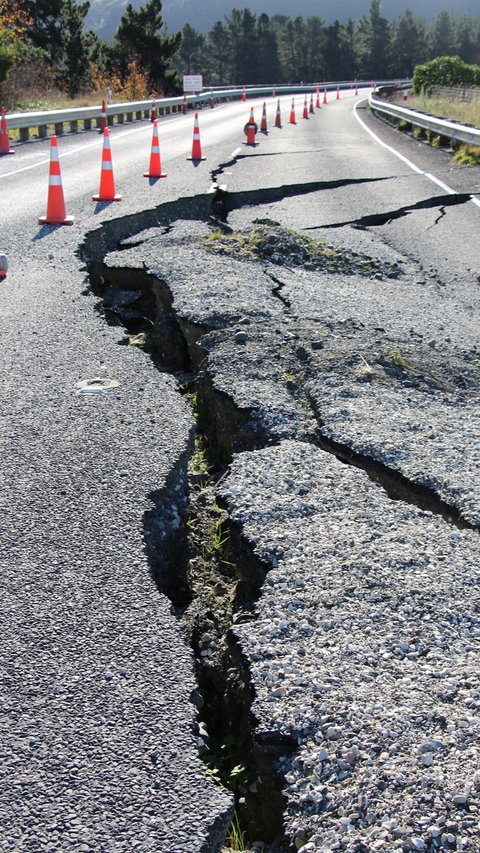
<point x="363" y="650"/>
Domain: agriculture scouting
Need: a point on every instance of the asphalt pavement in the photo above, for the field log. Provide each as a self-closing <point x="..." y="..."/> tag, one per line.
<point x="376" y="364"/>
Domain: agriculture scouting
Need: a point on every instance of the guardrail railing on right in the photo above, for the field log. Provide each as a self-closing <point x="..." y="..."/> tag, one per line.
<point x="448" y="128"/>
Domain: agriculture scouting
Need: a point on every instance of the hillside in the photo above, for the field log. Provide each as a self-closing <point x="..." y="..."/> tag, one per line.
<point x="104" y="15"/>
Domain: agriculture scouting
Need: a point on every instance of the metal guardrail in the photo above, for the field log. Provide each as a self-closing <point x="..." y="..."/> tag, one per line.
<point x="448" y="128"/>
<point x="89" y="117"/>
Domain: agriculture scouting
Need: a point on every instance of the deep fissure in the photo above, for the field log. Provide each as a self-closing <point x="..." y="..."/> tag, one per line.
<point x="233" y="576"/>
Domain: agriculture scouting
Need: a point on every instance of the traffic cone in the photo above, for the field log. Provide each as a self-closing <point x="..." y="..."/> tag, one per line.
<point x="153" y="112"/>
<point x="56" y="214"/>
<point x="338" y="93"/>
<point x="311" y="110"/>
<point x="305" y="108"/>
<point x="324" y="96"/>
<point x="244" y="94"/>
<point x="3" y="267"/>
<point x="184" y="105"/>
<point x="103" y="118"/>
<point x="263" y="123"/>
<point x="278" y="117"/>
<point x="155" y="168"/>
<point x="4" y="138"/>
<point x="292" y="119"/>
<point x="317" y="101"/>
<point x="196" y="146"/>
<point x="251" y="129"/>
<point x="107" y="183"/>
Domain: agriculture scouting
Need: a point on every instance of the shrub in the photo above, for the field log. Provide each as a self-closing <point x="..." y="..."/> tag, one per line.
<point x="444" y="71"/>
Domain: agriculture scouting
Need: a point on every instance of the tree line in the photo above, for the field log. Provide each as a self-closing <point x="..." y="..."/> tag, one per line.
<point x="48" y="40"/>
<point x="246" y="48"/>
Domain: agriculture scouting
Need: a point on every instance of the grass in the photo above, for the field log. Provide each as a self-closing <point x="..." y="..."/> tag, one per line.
<point x="467" y="155"/>
<point x="252" y="244"/>
<point x="468" y="113"/>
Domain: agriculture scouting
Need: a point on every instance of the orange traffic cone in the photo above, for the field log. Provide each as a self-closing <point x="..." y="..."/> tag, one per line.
<point x="103" y="118"/>
<point x="278" y="117"/>
<point x="153" y="112"/>
<point x="317" y="100"/>
<point x="184" y="105"/>
<point x="324" y="96"/>
<point x="107" y="183"/>
<point x="292" y="119"/>
<point x="196" y="146"/>
<point x="305" y="108"/>
<point x="155" y="168"/>
<point x="338" y="93"/>
<point x="244" y="94"/>
<point x="263" y="123"/>
<point x="311" y="110"/>
<point x="56" y="214"/>
<point x="4" y="138"/>
<point x="3" y="267"/>
<point x="251" y="129"/>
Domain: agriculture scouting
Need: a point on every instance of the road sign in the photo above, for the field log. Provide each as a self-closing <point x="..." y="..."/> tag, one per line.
<point x="192" y="83"/>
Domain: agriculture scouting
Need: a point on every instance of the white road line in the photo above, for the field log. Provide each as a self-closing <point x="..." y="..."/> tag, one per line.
<point x="408" y="162"/>
<point x="79" y="150"/>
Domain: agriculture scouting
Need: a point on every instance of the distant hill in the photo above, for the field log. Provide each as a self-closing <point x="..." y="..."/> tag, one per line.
<point x="104" y="15"/>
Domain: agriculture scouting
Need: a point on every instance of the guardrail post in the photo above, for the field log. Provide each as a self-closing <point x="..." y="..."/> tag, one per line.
<point x="59" y="128"/>
<point x="138" y="115"/>
<point x="25" y="134"/>
<point x="74" y="126"/>
<point x="120" y="118"/>
<point x="42" y="131"/>
<point x="87" y="123"/>
<point x="129" y="116"/>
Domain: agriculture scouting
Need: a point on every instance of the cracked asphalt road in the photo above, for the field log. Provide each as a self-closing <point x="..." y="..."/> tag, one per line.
<point x="99" y="727"/>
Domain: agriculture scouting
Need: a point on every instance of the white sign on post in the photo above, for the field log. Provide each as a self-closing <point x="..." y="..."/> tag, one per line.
<point x="192" y="83"/>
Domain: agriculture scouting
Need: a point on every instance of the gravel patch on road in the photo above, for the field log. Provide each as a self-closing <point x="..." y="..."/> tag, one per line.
<point x="364" y="651"/>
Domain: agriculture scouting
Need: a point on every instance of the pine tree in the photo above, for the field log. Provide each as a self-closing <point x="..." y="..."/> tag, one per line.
<point x="374" y="43"/>
<point x="218" y="66"/>
<point x="139" y="38"/>
<point x="408" y="44"/>
<point x="189" y="57"/>
<point x="442" y="35"/>
<point x="73" y="68"/>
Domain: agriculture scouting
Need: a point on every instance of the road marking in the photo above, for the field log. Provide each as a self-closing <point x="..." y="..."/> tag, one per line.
<point x="82" y="148"/>
<point x="408" y="162"/>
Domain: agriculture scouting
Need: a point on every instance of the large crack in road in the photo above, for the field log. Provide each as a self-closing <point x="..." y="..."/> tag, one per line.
<point x="252" y="354"/>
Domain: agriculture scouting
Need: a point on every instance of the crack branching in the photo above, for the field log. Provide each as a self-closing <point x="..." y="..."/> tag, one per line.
<point x="379" y="219"/>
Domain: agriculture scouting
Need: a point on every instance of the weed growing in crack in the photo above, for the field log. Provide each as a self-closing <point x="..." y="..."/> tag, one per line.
<point x="236" y="836"/>
<point x="396" y="358"/>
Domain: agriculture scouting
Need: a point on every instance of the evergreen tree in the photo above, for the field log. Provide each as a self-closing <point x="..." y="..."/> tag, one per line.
<point x="442" y="36"/>
<point x="44" y="28"/>
<point x="408" y="44"/>
<point x="217" y="59"/>
<point x="242" y="26"/>
<point x="189" y="57"/>
<point x="291" y="46"/>
<point x="313" y="66"/>
<point x="268" y="66"/>
<point x="73" y="68"/>
<point x="374" y="43"/>
<point x="139" y="38"/>
<point x="467" y="39"/>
